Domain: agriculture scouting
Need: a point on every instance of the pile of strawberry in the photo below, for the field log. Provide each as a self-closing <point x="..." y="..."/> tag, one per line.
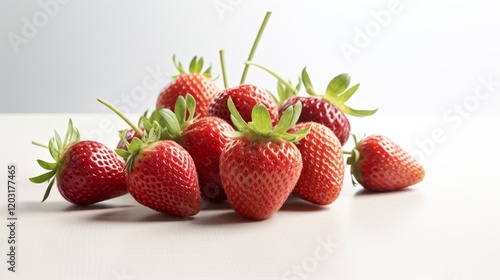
<point x="240" y="144"/>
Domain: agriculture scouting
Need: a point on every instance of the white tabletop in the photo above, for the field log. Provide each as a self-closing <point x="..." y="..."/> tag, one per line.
<point x="445" y="228"/>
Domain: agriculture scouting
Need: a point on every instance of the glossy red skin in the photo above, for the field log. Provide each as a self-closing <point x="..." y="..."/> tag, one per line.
<point x="90" y="172"/>
<point x="385" y="166"/>
<point x="163" y="178"/>
<point x="244" y="97"/>
<point x="323" y="169"/>
<point x="315" y="109"/>
<point x="200" y="87"/>
<point x="259" y="176"/>
<point x="131" y="134"/>
<point x="204" y="140"/>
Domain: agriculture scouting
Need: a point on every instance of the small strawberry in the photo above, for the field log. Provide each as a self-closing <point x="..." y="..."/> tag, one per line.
<point x="86" y="171"/>
<point x="245" y="97"/>
<point x="203" y="138"/>
<point x="196" y="83"/>
<point x="260" y="166"/>
<point x="379" y="164"/>
<point x="322" y="174"/>
<point x="129" y="135"/>
<point x="160" y="174"/>
<point x="328" y="109"/>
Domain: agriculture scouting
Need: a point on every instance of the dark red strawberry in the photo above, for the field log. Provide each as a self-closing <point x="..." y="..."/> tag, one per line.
<point x="315" y="109"/>
<point x="379" y="164"/>
<point x="259" y="167"/>
<point x="198" y="84"/>
<point x="129" y="135"/>
<point x="86" y="171"/>
<point x="328" y="109"/>
<point x="322" y="174"/>
<point x="245" y="97"/>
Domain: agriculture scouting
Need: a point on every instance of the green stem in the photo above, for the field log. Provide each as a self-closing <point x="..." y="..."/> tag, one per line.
<point x="39" y="144"/>
<point x="346" y="152"/>
<point x="254" y="47"/>
<point x="223" y="67"/>
<point x="274" y="74"/>
<point x="122" y="116"/>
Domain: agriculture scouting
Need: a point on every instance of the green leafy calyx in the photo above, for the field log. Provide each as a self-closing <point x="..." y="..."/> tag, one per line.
<point x="57" y="148"/>
<point x="352" y="160"/>
<point x="261" y="127"/>
<point x="337" y="92"/>
<point x="195" y="66"/>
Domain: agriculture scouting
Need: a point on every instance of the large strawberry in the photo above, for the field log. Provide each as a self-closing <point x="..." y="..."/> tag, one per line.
<point x="260" y="166"/>
<point x="328" y="109"/>
<point x="379" y="164"/>
<point x="203" y="138"/>
<point x="322" y="174"/>
<point x="86" y="171"/>
<point x="245" y="97"/>
<point x="161" y="175"/>
<point x="196" y="83"/>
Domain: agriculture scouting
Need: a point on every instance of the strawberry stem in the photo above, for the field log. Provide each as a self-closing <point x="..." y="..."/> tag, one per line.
<point x="122" y="116"/>
<point x="223" y="67"/>
<point x="286" y="83"/>
<point x="254" y="47"/>
<point x="39" y="144"/>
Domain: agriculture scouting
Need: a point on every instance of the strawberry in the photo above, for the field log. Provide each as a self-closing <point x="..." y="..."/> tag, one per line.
<point x="198" y="84"/>
<point x="322" y="174"/>
<point x="129" y="135"/>
<point x="260" y="166"/>
<point x="203" y="138"/>
<point x="86" y="171"/>
<point x="160" y="174"/>
<point x="379" y="164"/>
<point x="245" y="97"/>
<point x="328" y="109"/>
<point x="318" y="110"/>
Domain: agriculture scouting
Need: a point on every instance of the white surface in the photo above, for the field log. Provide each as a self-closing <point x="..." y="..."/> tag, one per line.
<point x="445" y="228"/>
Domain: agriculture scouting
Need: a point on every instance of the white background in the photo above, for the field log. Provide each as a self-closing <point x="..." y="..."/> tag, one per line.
<point x="425" y="69"/>
<point x="427" y="56"/>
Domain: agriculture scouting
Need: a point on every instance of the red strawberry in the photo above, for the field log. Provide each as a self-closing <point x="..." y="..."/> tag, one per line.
<point x="245" y="97"/>
<point x="129" y="135"/>
<point x="162" y="176"/>
<point x="260" y="166"/>
<point x="379" y="164"/>
<point x="315" y="109"/>
<point x="204" y="140"/>
<point x="86" y="171"/>
<point x="328" y="109"/>
<point x="198" y="84"/>
<point x="322" y="174"/>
